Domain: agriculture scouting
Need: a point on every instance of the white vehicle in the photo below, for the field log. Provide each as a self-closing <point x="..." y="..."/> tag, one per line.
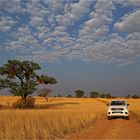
<point x="118" y="108"/>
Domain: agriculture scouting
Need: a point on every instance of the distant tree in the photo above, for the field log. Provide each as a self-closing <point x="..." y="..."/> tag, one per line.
<point x="44" y="93"/>
<point x="102" y="95"/>
<point x="94" y="94"/>
<point x="79" y="93"/>
<point x="108" y="95"/>
<point x="21" y="78"/>
<point x="128" y="96"/>
<point x="69" y="96"/>
<point x="113" y="97"/>
<point x="105" y="95"/>
<point x="135" y="96"/>
<point x="59" y="95"/>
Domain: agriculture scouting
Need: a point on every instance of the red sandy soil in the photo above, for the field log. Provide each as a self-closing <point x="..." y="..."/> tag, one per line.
<point x="117" y="128"/>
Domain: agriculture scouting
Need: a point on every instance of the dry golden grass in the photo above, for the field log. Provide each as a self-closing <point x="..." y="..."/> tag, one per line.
<point x="7" y="100"/>
<point x="54" y="119"/>
<point x="62" y="117"/>
<point x="135" y="107"/>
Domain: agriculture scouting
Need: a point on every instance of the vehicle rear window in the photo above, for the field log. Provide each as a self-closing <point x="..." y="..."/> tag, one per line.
<point x="117" y="103"/>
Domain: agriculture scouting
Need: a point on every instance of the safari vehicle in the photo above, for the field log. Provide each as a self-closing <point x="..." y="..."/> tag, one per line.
<point x="117" y="108"/>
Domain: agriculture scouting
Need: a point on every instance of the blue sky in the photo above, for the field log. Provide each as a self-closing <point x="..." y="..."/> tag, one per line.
<point x="92" y="45"/>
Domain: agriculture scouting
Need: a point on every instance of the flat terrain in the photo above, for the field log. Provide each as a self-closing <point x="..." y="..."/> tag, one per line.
<point x="117" y="128"/>
<point x="67" y="118"/>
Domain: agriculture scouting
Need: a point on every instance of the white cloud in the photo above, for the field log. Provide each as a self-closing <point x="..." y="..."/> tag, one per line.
<point x="36" y="21"/>
<point x="74" y="12"/>
<point x="6" y="24"/>
<point x="101" y="31"/>
<point x="55" y="55"/>
<point x="34" y="8"/>
<point x="129" y="23"/>
<point x="135" y="3"/>
<point x="55" y="45"/>
<point x="55" y="6"/>
<point x="74" y="55"/>
<point x="104" y="6"/>
<point x="43" y="55"/>
<point x="48" y="36"/>
<point x="11" y="6"/>
<point x="114" y="50"/>
<point x="24" y="41"/>
<point x="98" y="23"/>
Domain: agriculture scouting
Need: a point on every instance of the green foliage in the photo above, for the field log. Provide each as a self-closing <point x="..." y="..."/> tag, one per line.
<point x="69" y="96"/>
<point x="46" y="79"/>
<point x="102" y="95"/>
<point x="132" y="96"/>
<point x="21" y="78"/>
<point x="107" y="95"/>
<point x="135" y="96"/>
<point x="79" y="93"/>
<point x="59" y="95"/>
<point x="94" y="94"/>
<point x="128" y="96"/>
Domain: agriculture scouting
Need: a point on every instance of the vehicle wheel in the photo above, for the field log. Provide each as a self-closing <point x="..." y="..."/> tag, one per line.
<point x="109" y="118"/>
<point x="127" y="117"/>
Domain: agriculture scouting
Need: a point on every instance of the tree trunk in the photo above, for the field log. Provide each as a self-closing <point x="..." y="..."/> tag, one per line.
<point x="24" y="98"/>
<point x="46" y="99"/>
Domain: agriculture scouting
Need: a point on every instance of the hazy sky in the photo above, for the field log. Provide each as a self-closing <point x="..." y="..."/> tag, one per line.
<point x="92" y="45"/>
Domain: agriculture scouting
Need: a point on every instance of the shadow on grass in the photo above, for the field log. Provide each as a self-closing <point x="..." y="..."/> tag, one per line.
<point x="43" y="106"/>
<point x="54" y="105"/>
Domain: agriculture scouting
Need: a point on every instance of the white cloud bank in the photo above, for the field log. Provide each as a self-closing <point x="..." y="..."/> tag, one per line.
<point x="6" y="23"/>
<point x="129" y="23"/>
<point x="50" y="33"/>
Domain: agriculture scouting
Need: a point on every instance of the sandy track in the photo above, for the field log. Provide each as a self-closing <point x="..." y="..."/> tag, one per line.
<point x="112" y="129"/>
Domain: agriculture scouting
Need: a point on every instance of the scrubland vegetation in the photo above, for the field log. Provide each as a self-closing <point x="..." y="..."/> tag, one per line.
<point x="55" y="119"/>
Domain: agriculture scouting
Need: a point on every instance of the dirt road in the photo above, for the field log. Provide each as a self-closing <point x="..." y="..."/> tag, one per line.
<point x="112" y="129"/>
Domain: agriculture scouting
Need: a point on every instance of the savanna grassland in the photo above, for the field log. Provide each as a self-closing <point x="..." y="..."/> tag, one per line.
<point x="48" y="120"/>
<point x="56" y="119"/>
<point x="135" y="107"/>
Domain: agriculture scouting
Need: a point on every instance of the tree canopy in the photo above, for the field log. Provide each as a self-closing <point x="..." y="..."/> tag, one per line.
<point x="94" y="94"/>
<point x="79" y="93"/>
<point x="21" y="77"/>
<point x="44" y="93"/>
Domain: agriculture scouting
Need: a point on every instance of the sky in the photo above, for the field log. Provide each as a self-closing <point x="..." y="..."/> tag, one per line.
<point x="92" y="45"/>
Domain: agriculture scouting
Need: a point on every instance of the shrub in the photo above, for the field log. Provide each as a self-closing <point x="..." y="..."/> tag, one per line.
<point x="135" y="97"/>
<point x="21" y="103"/>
